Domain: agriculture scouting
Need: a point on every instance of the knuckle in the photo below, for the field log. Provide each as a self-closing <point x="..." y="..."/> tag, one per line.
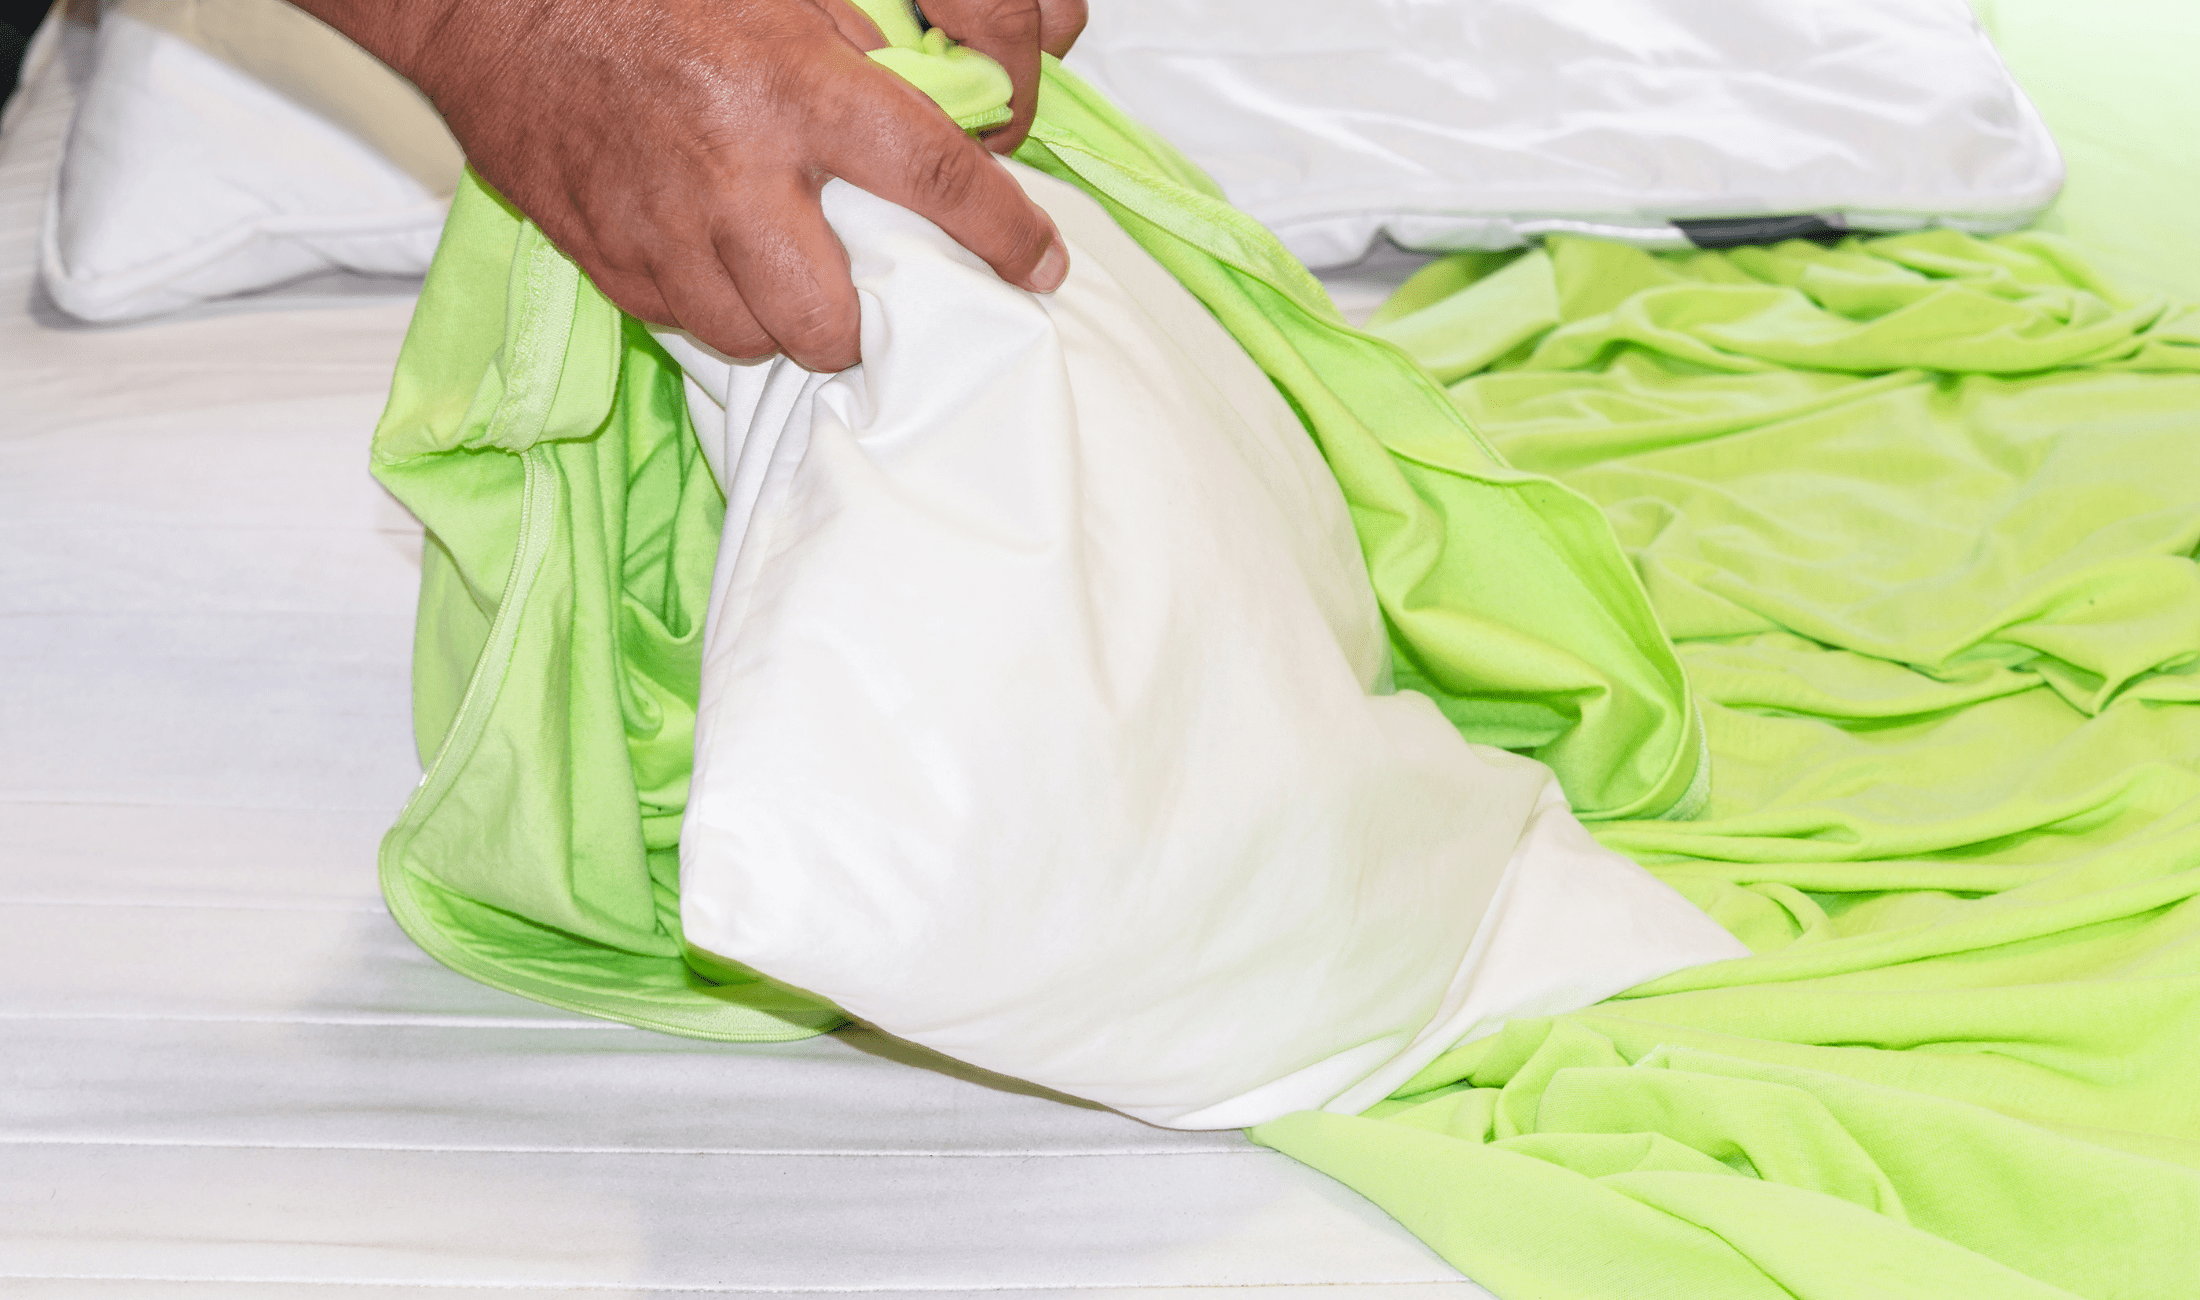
<point x="946" y="178"/>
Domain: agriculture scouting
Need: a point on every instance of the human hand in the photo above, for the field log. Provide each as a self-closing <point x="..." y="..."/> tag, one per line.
<point x="675" y="149"/>
<point x="1011" y="33"/>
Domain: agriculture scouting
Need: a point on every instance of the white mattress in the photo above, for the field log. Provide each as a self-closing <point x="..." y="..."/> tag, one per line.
<point x="227" y="1074"/>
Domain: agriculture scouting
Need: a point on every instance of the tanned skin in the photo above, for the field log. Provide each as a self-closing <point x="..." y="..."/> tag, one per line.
<point x="674" y="149"/>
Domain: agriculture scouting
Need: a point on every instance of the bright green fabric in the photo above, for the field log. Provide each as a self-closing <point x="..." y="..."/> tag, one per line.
<point x="1920" y="514"/>
<point x="571" y="526"/>
<point x="544" y="442"/>
<point x="1507" y="600"/>
<point x="1923" y="526"/>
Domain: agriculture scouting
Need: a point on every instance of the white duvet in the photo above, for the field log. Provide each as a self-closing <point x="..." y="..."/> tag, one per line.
<point x="1044" y="716"/>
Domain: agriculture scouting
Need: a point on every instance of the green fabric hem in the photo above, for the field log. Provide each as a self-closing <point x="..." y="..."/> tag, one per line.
<point x="986" y="121"/>
<point x="709" y="1022"/>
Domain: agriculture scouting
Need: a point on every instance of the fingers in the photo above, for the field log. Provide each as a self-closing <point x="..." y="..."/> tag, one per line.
<point x="701" y="298"/>
<point x="1007" y="31"/>
<point x="765" y="273"/>
<point x="683" y="171"/>
<point x="656" y="262"/>
<point x="898" y="145"/>
<point x="790" y="274"/>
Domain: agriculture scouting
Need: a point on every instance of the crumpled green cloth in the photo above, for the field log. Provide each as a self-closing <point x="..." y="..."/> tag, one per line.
<point x="1921" y="515"/>
<point x="543" y="440"/>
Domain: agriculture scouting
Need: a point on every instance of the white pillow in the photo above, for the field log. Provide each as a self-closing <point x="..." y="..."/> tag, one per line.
<point x="1045" y="721"/>
<point x="1480" y="124"/>
<point x="224" y="146"/>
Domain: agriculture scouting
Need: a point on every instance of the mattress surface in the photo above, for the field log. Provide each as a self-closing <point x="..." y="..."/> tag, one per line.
<point x="231" y="1076"/>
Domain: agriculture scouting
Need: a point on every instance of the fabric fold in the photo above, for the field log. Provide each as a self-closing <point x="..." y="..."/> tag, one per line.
<point x="572" y="521"/>
<point x="1922" y="515"/>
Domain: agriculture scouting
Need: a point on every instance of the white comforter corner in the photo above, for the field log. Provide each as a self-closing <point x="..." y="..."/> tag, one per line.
<point x="1045" y="718"/>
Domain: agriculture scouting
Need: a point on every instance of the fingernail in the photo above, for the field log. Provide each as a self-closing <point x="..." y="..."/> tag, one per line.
<point x="1052" y="269"/>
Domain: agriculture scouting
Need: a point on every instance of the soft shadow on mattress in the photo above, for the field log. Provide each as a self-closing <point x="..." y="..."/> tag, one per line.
<point x="873" y="1042"/>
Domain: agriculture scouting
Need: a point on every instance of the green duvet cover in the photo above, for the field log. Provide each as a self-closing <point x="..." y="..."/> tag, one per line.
<point x="544" y="442"/>
<point x="1920" y="514"/>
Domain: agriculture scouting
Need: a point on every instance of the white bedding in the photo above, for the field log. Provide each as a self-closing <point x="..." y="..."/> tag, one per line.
<point x="229" y="1075"/>
<point x="1004" y="749"/>
<point x="1483" y="124"/>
